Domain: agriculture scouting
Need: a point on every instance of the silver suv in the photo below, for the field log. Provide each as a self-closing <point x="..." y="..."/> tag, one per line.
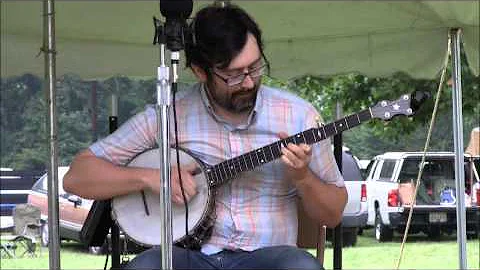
<point x="355" y="212"/>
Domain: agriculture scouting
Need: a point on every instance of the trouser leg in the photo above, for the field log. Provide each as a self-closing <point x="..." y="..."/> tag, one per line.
<point x="278" y="257"/>
<point x="182" y="259"/>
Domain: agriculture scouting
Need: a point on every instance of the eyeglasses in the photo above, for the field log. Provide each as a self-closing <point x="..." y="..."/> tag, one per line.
<point x="238" y="79"/>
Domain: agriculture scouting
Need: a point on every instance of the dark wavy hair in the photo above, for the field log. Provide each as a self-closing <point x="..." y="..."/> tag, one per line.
<point x="218" y="34"/>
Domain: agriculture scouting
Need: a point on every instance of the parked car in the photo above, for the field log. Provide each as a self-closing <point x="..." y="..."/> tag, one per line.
<point x="355" y="212"/>
<point x="15" y="187"/>
<point x="73" y="210"/>
<point x="391" y="183"/>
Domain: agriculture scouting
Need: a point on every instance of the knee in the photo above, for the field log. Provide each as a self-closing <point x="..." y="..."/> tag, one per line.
<point x="149" y="259"/>
<point x="295" y="258"/>
<point x="152" y="259"/>
<point x="308" y="262"/>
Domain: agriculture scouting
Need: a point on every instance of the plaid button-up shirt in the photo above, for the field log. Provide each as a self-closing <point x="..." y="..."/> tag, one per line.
<point x="257" y="208"/>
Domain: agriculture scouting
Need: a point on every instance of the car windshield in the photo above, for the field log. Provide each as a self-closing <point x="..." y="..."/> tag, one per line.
<point x="438" y="177"/>
<point x="433" y="169"/>
<point x="42" y="184"/>
<point x="350" y="169"/>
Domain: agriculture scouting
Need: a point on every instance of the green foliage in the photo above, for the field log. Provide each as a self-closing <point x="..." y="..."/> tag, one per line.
<point x="420" y="253"/>
<point x="19" y="124"/>
<point x="355" y="92"/>
<point x="83" y="108"/>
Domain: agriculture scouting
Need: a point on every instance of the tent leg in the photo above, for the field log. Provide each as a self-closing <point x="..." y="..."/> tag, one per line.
<point x="50" y="81"/>
<point x="458" y="143"/>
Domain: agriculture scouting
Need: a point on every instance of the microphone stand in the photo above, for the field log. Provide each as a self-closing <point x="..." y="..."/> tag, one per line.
<point x="172" y="35"/>
<point x="163" y="141"/>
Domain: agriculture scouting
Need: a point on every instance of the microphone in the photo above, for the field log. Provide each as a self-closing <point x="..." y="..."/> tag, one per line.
<point x="176" y="13"/>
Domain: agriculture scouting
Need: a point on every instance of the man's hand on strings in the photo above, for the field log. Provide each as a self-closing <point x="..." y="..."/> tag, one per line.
<point x="189" y="184"/>
<point x="297" y="158"/>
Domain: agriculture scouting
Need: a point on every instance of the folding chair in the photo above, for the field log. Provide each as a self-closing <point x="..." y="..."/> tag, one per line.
<point x="310" y="233"/>
<point x="26" y="232"/>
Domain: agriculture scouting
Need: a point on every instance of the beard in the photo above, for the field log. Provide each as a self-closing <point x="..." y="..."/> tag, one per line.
<point x="237" y="101"/>
<point x="243" y="101"/>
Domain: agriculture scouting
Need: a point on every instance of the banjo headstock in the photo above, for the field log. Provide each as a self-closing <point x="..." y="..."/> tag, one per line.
<point x="407" y="104"/>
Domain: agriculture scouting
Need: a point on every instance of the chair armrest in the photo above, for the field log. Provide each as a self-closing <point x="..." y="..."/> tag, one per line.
<point x="321" y="237"/>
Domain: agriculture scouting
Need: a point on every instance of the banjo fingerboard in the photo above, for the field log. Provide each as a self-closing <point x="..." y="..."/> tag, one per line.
<point x="222" y="172"/>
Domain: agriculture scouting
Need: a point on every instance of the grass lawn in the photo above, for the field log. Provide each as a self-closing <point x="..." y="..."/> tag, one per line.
<point x="419" y="253"/>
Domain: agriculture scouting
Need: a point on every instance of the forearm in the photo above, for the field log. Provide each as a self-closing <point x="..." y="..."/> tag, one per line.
<point x="323" y="202"/>
<point x="95" y="178"/>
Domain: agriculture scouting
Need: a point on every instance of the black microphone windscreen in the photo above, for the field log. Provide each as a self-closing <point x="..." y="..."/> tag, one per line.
<point x="176" y="8"/>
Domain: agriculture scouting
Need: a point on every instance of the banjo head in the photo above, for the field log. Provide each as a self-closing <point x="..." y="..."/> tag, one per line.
<point x="130" y="214"/>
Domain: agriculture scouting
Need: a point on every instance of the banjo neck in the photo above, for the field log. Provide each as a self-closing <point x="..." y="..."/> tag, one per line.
<point x="229" y="169"/>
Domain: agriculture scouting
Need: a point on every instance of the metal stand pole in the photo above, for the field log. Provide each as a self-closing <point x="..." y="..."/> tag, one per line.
<point x="114" y="229"/>
<point x="458" y="143"/>
<point x="50" y="81"/>
<point x="163" y="114"/>
<point x="170" y="35"/>
<point x="337" y="231"/>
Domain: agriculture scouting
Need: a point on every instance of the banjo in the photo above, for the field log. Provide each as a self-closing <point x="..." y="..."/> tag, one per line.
<point x="138" y="213"/>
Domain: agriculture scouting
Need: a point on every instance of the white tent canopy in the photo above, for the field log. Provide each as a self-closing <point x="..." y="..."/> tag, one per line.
<point x="98" y="39"/>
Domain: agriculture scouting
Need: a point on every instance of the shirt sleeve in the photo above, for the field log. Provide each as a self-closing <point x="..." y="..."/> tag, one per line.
<point x="135" y="136"/>
<point x="323" y="162"/>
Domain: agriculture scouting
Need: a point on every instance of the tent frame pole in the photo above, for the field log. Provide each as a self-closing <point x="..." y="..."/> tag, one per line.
<point x="458" y="144"/>
<point x="50" y="83"/>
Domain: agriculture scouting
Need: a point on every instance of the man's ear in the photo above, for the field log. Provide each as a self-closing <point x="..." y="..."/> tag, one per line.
<point x="199" y="73"/>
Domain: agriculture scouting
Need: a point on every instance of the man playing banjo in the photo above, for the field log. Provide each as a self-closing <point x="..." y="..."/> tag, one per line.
<point x="228" y="113"/>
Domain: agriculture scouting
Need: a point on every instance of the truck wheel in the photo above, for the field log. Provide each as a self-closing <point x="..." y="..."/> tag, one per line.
<point x="349" y="236"/>
<point x="472" y="235"/>
<point x="382" y="232"/>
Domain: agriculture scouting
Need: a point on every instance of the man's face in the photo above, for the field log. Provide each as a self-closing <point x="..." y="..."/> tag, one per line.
<point x="240" y="97"/>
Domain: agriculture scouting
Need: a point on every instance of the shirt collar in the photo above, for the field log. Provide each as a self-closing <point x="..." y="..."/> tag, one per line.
<point x="251" y="117"/>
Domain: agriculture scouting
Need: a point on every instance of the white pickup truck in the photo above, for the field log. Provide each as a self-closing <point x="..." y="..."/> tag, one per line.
<point x="391" y="182"/>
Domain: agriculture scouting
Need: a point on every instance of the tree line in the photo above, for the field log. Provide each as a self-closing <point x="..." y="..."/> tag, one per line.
<point x="83" y="108"/>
